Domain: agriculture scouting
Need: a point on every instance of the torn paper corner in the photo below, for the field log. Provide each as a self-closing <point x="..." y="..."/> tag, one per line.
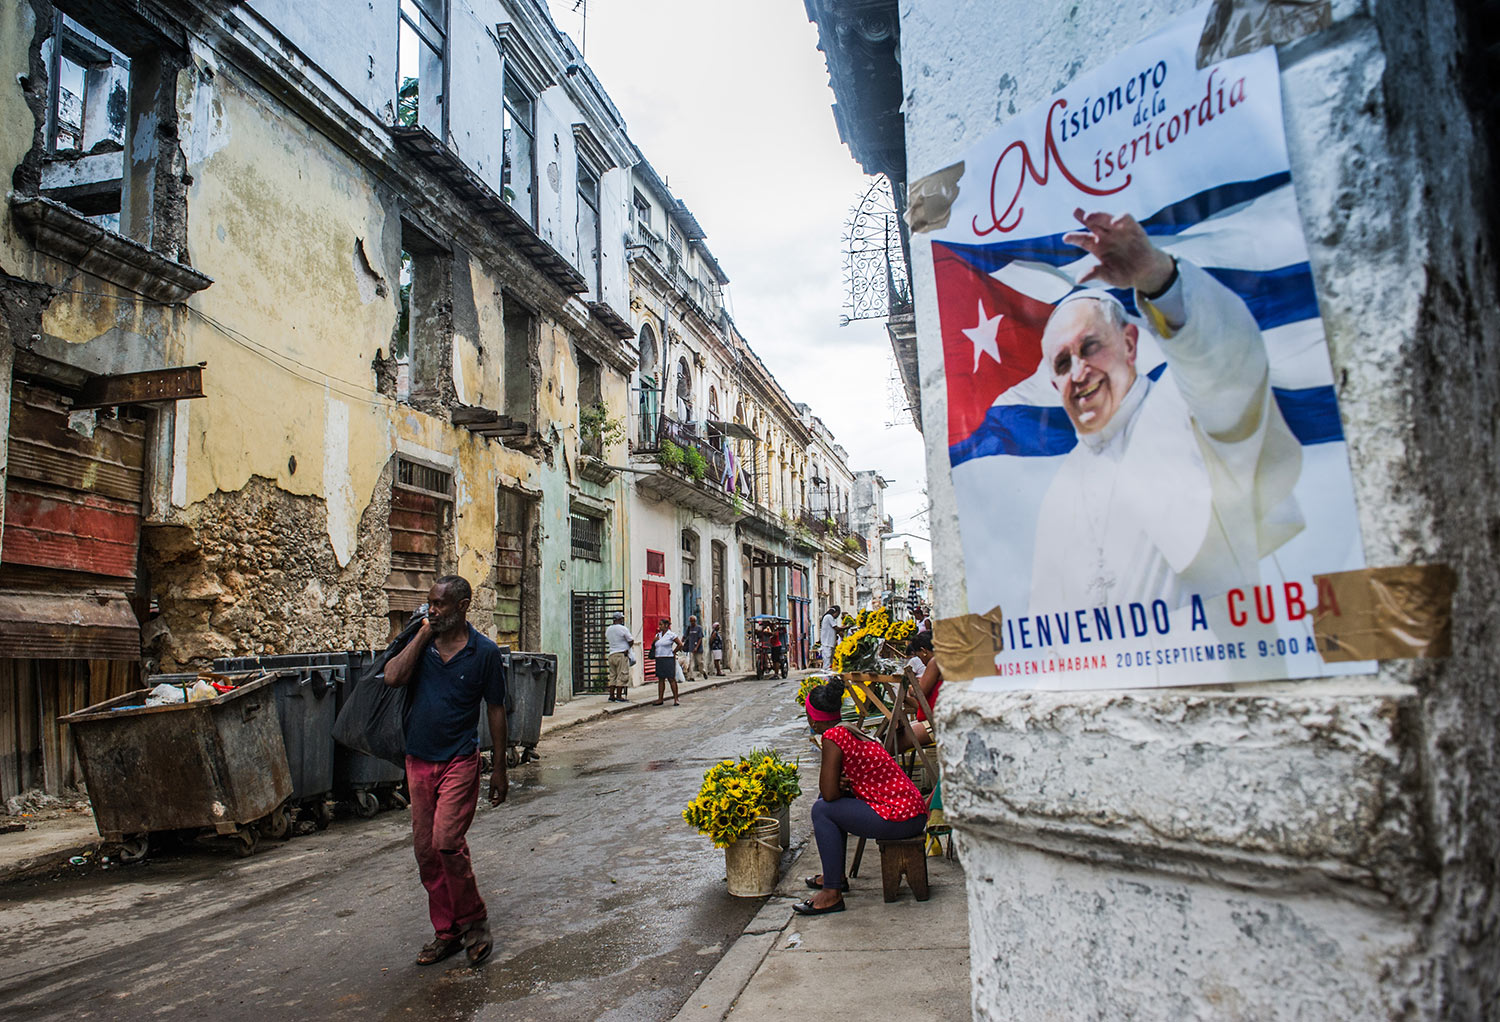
<point x="966" y="646"/>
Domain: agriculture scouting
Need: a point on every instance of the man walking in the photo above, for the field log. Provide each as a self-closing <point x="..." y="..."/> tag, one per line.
<point x="448" y="667"/>
<point x="617" y="642"/>
<point x="692" y="642"/>
<point x="716" y="649"/>
<point x="829" y="631"/>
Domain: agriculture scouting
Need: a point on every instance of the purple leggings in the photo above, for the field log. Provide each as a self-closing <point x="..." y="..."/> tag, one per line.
<point x="833" y="822"/>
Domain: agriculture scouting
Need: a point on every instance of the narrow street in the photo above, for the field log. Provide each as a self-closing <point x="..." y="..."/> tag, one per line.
<point x="605" y="904"/>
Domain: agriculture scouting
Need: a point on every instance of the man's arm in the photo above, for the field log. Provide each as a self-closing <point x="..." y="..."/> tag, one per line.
<point x="402" y="667"/>
<point x="499" y="782"/>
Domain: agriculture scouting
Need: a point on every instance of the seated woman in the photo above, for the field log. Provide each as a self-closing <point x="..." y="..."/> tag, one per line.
<point x="862" y="792"/>
<point x="929" y="678"/>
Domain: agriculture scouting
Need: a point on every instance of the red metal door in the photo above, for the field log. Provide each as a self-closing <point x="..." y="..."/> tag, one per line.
<point x="656" y="603"/>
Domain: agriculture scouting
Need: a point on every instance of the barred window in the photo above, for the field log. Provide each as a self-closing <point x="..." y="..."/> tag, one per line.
<point x="588" y="537"/>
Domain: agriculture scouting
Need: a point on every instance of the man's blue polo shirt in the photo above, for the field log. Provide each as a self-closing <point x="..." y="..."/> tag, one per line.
<point x="442" y="720"/>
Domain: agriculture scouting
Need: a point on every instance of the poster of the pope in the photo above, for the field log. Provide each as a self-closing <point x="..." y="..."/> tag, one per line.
<point x="1145" y="442"/>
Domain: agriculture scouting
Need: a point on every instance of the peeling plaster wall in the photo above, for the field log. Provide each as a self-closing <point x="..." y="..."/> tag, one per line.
<point x="1319" y="850"/>
<point x="272" y="535"/>
<point x="290" y="326"/>
<point x="18" y="129"/>
<point x="251" y="572"/>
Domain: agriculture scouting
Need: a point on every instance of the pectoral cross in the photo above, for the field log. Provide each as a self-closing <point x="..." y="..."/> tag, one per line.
<point x="1102" y="581"/>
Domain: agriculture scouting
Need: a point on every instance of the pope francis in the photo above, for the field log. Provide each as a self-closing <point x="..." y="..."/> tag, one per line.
<point x="1177" y="486"/>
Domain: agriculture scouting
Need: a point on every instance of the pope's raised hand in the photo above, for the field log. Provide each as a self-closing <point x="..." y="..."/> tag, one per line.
<point x="1126" y="257"/>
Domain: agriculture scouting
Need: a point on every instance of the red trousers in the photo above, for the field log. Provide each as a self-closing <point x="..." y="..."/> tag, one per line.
<point x="443" y="798"/>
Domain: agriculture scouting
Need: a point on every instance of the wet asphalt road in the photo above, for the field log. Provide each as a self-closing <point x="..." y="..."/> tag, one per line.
<point x="605" y="904"/>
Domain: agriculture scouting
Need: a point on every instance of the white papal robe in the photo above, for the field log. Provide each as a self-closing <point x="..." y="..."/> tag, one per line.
<point x="1190" y="483"/>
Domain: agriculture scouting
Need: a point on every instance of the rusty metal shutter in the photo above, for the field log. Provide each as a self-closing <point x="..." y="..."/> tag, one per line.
<point x="64" y="626"/>
<point x="72" y="496"/>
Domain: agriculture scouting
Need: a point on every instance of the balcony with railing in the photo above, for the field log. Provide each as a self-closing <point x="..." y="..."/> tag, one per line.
<point x="833" y="532"/>
<point x="693" y="470"/>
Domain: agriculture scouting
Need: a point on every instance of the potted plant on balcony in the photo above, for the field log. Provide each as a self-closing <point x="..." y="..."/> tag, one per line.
<point x="670" y="455"/>
<point x="598" y="431"/>
<point x="694" y="463"/>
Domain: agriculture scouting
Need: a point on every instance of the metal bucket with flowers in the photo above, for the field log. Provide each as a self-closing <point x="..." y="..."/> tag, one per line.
<point x="738" y="808"/>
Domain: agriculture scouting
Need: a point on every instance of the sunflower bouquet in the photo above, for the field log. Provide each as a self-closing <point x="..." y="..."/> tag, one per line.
<point x="734" y="794"/>
<point x="776" y="776"/>
<point x="860" y="647"/>
<point x="809" y="683"/>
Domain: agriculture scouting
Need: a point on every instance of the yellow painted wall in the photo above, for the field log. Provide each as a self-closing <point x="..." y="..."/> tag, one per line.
<point x="276" y="216"/>
<point x="17" y="125"/>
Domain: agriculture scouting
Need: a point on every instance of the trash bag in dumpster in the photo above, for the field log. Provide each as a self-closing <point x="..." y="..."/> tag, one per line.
<point x="373" y="717"/>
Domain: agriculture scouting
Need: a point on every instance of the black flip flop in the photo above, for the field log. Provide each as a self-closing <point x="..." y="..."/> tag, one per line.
<point x="805" y="908"/>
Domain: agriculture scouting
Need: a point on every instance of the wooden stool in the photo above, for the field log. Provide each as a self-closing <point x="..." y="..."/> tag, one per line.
<point x="909" y="856"/>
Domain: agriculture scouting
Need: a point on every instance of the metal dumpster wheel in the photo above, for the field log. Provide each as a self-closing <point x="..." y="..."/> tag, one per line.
<point x="278" y="825"/>
<point x="322" y="814"/>
<point x="396" y="799"/>
<point x="366" y="804"/>
<point x="133" y="847"/>
<point x="246" y="840"/>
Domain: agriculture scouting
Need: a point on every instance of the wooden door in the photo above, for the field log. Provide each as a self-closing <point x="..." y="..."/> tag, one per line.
<point x="656" y="603"/>
<point x="512" y="555"/>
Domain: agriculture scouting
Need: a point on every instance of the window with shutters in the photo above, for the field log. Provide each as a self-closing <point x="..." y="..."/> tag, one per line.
<point x="421" y="523"/>
<point x="656" y="562"/>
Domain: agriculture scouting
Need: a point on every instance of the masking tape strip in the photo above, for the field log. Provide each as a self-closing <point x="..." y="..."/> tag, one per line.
<point x="1395" y="613"/>
<point x="929" y="199"/>
<point x="966" y="646"/>
<point x="1234" y="28"/>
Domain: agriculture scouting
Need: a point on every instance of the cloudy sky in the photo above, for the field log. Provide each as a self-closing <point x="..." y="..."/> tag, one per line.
<point x="730" y="102"/>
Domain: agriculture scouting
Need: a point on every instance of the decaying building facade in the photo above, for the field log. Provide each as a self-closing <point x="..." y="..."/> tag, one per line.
<point x="828" y="513"/>
<point x="719" y="449"/>
<point x="304" y="304"/>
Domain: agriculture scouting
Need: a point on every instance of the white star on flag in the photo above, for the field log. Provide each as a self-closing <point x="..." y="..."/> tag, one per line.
<point x="983" y="336"/>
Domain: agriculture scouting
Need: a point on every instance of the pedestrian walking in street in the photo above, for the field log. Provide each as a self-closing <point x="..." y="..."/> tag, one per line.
<point x="862" y="791"/>
<point x="664" y="649"/>
<point x="716" y="649"/>
<point x="617" y="642"/>
<point x="692" y="641"/>
<point x="448" y="668"/>
<point x="829" y="633"/>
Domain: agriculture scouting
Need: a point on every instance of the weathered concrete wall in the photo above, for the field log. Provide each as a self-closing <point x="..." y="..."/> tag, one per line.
<point x="1324" y="850"/>
<point x="355" y="46"/>
<point x="251" y="572"/>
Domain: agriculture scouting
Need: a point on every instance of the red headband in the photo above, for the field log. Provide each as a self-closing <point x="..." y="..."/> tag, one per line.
<point x="815" y="714"/>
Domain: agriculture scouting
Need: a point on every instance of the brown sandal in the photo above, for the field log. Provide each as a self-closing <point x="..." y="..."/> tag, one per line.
<point x="479" y="944"/>
<point x="437" y="950"/>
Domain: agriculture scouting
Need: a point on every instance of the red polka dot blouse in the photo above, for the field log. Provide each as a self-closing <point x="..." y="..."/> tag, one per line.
<point x="876" y="777"/>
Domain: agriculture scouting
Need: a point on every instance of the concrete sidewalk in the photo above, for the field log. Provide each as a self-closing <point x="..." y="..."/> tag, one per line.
<point x="46" y="844"/>
<point x="906" y="959"/>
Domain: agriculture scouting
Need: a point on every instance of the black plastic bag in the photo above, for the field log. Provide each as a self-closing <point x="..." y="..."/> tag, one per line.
<point x="373" y="718"/>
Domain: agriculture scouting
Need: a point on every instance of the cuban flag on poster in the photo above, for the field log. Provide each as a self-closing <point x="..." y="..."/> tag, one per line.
<point x="1179" y="557"/>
